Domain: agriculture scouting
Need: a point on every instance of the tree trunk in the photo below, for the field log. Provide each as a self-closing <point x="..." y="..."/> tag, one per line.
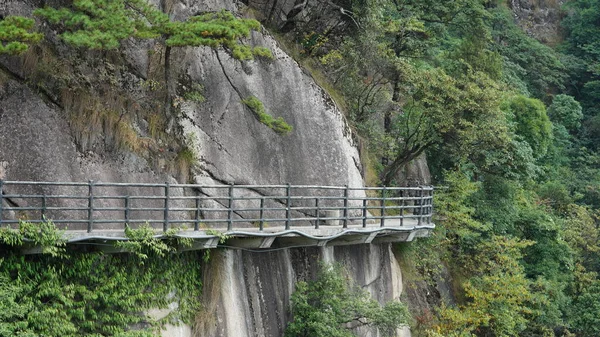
<point x="387" y="117"/>
<point x="166" y="7"/>
<point x="272" y="12"/>
<point x="390" y="171"/>
<point x="168" y="95"/>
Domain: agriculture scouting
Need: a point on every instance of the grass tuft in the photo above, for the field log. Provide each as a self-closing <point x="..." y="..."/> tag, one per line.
<point x="276" y="124"/>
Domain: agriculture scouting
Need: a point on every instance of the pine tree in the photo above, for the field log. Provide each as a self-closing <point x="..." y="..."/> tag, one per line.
<point x="16" y="35"/>
<point x="103" y="24"/>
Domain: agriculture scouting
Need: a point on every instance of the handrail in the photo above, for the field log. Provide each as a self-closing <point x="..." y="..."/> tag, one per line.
<point x="96" y="206"/>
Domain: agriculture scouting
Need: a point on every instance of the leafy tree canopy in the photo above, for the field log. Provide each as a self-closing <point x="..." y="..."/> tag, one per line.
<point x="531" y="123"/>
<point x="325" y="306"/>
<point x="566" y="111"/>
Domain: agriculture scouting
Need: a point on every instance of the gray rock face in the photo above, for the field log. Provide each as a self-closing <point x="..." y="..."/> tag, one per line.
<point x="319" y="150"/>
<point x="415" y="173"/>
<point x="36" y="145"/>
<point x="540" y="19"/>
<point x="247" y="294"/>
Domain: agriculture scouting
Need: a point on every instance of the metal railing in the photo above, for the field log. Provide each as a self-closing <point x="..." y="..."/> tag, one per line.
<point x="95" y="206"/>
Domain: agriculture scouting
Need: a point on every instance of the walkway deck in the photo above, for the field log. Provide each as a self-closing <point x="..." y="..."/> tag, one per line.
<point x="244" y="216"/>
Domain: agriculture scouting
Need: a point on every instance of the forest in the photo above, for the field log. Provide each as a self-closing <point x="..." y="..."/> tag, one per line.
<point x="510" y="127"/>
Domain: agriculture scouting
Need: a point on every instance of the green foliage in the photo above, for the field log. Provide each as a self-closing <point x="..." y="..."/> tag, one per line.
<point x="497" y="203"/>
<point x="222" y="236"/>
<point x="195" y="94"/>
<point x="460" y="82"/>
<point x="16" y="35"/>
<point x="582" y="42"/>
<point x="44" y="235"/>
<point x="531" y="123"/>
<point x="186" y="158"/>
<point x="262" y="52"/>
<point x="472" y="53"/>
<point x="582" y="23"/>
<point x="511" y="253"/>
<point x="527" y="63"/>
<point x="101" y="24"/>
<point x="276" y="124"/>
<point x="144" y="242"/>
<point x="92" y="294"/>
<point x="498" y="293"/>
<point x="455" y="120"/>
<point x="583" y="236"/>
<point x="556" y="195"/>
<point x="549" y="256"/>
<point x="586" y="312"/>
<point x="324" y="306"/>
<point x="566" y="111"/>
<point x="213" y="30"/>
<point x="455" y="213"/>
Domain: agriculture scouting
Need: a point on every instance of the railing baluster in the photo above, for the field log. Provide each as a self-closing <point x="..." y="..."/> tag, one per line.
<point x="126" y="210"/>
<point x="43" y="213"/>
<point x="364" y="213"/>
<point x="402" y="207"/>
<point x="288" y="204"/>
<point x="261" y="224"/>
<point x="421" y="201"/>
<point x="382" y="205"/>
<point x="318" y="211"/>
<point x="1" y="199"/>
<point x="197" y="214"/>
<point x="430" y="208"/>
<point x="230" y="209"/>
<point x="90" y="206"/>
<point x="345" y="221"/>
<point x="166" y="209"/>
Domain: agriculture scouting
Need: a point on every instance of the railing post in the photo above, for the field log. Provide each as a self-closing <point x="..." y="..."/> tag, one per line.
<point x="1" y="199"/>
<point x="382" y="205"/>
<point x="288" y="204"/>
<point x="430" y="208"/>
<point x="197" y="214"/>
<point x="421" y="202"/>
<point x="43" y="206"/>
<point x="126" y="210"/>
<point x="90" y="206"/>
<point x="345" y="221"/>
<point x="230" y="208"/>
<point x="402" y="208"/>
<point x="318" y="211"/>
<point x="364" y="212"/>
<point x="261" y="213"/>
<point x="166" y="209"/>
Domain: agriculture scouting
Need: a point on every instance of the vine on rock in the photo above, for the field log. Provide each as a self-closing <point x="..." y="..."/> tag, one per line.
<point x="92" y="294"/>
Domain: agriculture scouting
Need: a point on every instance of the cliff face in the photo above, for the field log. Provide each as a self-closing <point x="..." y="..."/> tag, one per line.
<point x="72" y="115"/>
<point x="247" y="293"/>
<point x="235" y="147"/>
<point x="539" y="18"/>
